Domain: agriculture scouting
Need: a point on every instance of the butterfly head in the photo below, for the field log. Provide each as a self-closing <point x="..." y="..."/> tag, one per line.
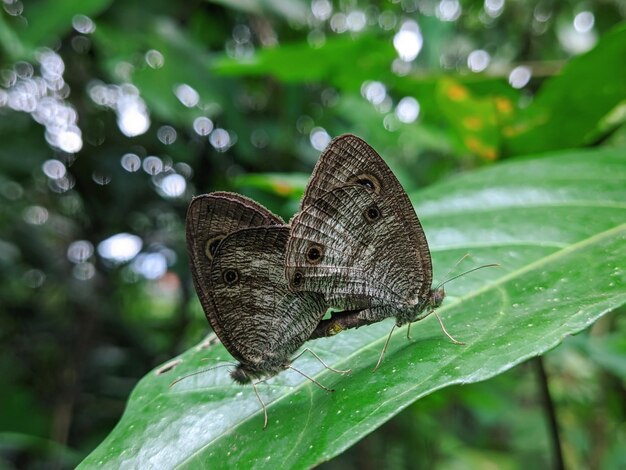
<point x="436" y="297"/>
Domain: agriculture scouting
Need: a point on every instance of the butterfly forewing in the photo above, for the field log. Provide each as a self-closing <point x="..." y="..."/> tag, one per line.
<point x="384" y="262"/>
<point x="363" y="245"/>
<point x="210" y="218"/>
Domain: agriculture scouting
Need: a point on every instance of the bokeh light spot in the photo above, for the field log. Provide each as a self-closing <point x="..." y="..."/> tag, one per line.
<point x="356" y="20"/>
<point x="408" y="41"/>
<point x="167" y="134"/>
<point x="173" y="185"/>
<point x="132" y="113"/>
<point x="54" y="169"/>
<point x="154" y="59"/>
<point x="319" y="138"/>
<point x="584" y="21"/>
<point x="120" y="248"/>
<point x="83" y="24"/>
<point x="202" y="125"/>
<point x="374" y="92"/>
<point x="79" y="251"/>
<point x="321" y="9"/>
<point x="188" y="96"/>
<point x="131" y="162"/>
<point x="494" y="8"/>
<point x="35" y="215"/>
<point x="520" y="76"/>
<point x="407" y="110"/>
<point x="478" y="60"/>
<point x="220" y="139"/>
<point x="84" y="271"/>
<point x="150" y="265"/>
<point x="152" y="165"/>
<point x="448" y="10"/>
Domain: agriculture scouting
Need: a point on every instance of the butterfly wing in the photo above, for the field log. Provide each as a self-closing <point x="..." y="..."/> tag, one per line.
<point x="366" y="264"/>
<point x="352" y="246"/>
<point x="260" y="320"/>
<point x="350" y="160"/>
<point x="210" y="218"/>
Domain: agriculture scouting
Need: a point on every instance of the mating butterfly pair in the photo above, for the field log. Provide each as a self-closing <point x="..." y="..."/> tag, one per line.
<point x="356" y="245"/>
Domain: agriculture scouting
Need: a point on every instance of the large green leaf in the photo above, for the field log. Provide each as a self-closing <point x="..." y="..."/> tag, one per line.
<point x="49" y="20"/>
<point x="344" y="61"/>
<point x="569" y="107"/>
<point x="556" y="224"/>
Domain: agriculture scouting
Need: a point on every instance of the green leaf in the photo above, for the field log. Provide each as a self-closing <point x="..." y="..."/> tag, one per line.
<point x="556" y="226"/>
<point x="281" y="184"/>
<point x="293" y="10"/>
<point x="475" y="120"/>
<point x="343" y="60"/>
<point x="184" y="62"/>
<point x="52" y="19"/>
<point x="566" y="111"/>
<point x="609" y="351"/>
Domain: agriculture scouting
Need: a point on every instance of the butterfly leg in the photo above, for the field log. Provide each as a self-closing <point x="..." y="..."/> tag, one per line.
<point x="323" y="387"/>
<point x="382" y="353"/>
<point x="262" y="404"/>
<point x="446" y="331"/>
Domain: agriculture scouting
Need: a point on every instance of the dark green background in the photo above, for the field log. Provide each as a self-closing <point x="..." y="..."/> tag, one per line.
<point x="532" y="178"/>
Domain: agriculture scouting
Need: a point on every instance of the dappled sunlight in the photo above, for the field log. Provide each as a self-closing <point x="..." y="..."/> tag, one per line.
<point x="120" y="248"/>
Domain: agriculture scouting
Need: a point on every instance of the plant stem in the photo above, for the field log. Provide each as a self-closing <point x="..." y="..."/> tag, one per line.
<point x="550" y="411"/>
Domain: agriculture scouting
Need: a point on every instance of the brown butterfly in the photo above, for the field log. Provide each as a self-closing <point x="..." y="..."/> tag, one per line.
<point x="236" y="248"/>
<point x="358" y="241"/>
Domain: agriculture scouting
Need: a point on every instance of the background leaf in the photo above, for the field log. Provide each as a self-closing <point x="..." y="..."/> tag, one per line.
<point x="569" y="107"/>
<point x="541" y="219"/>
<point x="49" y="20"/>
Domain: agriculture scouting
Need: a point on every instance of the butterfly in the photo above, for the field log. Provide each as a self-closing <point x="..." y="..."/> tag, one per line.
<point x="236" y="249"/>
<point x="357" y="239"/>
<point x="358" y="242"/>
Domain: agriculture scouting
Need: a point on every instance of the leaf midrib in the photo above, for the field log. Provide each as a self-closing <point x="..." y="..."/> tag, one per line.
<point x="426" y="215"/>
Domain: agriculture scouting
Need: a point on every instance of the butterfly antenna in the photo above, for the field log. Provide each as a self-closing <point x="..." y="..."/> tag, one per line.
<point x="201" y="371"/>
<point x="256" y="392"/>
<point x="382" y="353"/>
<point x="455" y="341"/>
<point x="461" y="259"/>
<point x="311" y="379"/>
<point x="321" y="361"/>
<point x="492" y="265"/>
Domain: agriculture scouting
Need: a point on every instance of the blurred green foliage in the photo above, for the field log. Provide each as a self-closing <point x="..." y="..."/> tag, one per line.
<point x="271" y="81"/>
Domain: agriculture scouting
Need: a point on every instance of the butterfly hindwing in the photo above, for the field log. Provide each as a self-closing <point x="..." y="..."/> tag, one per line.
<point x="210" y="218"/>
<point x="262" y="322"/>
